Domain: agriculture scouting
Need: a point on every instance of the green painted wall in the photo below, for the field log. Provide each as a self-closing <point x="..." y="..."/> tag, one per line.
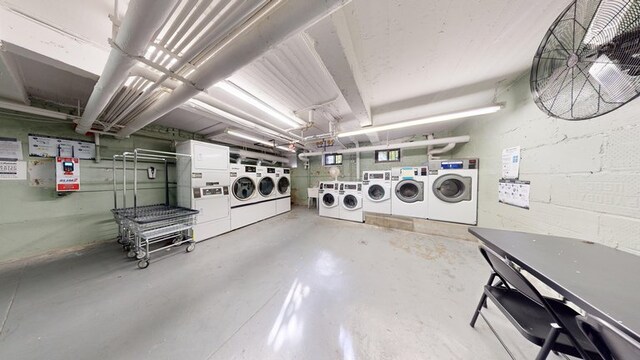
<point x="302" y="178"/>
<point x="34" y="220"/>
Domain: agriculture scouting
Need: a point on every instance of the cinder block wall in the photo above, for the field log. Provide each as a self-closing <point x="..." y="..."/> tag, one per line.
<point x="585" y="175"/>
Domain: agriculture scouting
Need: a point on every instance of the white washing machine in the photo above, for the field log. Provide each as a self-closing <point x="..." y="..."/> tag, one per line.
<point x="246" y="207"/>
<point x="409" y="196"/>
<point x="267" y="193"/>
<point x="453" y="191"/>
<point x="329" y="199"/>
<point x="351" y="201"/>
<point x="283" y="190"/>
<point x="376" y="191"/>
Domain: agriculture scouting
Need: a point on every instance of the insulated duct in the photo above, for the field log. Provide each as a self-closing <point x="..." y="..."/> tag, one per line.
<point x="287" y="19"/>
<point x="259" y="156"/>
<point x="142" y="20"/>
<point x="406" y="145"/>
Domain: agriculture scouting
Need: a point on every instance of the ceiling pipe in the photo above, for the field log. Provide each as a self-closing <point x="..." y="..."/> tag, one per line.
<point x="241" y="49"/>
<point x="259" y="156"/>
<point x="406" y="145"/>
<point x="142" y="20"/>
<point x="230" y="118"/>
<point x="35" y="111"/>
<point x="441" y="150"/>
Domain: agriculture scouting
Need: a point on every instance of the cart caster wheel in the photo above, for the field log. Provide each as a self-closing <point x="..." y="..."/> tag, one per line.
<point x="143" y="264"/>
<point x="191" y="247"/>
<point x="126" y="248"/>
<point x="131" y="254"/>
<point x="141" y="255"/>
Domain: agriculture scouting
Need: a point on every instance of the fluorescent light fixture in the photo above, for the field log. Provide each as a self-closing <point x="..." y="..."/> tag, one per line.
<point x="285" y="148"/>
<point x="250" y="99"/>
<point x="149" y="52"/>
<point x="423" y="121"/>
<point x="249" y="137"/>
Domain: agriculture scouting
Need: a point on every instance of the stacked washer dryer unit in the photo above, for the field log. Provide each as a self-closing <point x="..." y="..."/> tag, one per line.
<point x="351" y="201"/>
<point x="329" y="199"/>
<point x="453" y="190"/>
<point x="203" y="184"/>
<point x="409" y="185"/>
<point x="376" y="190"/>
<point x="283" y="190"/>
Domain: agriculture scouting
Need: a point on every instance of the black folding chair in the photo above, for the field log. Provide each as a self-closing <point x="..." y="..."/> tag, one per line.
<point x="611" y="343"/>
<point x="546" y="322"/>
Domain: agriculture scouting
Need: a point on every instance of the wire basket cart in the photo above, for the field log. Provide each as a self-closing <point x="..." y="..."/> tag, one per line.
<point x="162" y="225"/>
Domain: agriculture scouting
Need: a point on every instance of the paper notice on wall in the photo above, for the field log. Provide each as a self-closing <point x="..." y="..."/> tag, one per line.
<point x="10" y="149"/>
<point x="47" y="146"/>
<point x="511" y="162"/>
<point x="514" y="192"/>
<point x="13" y="170"/>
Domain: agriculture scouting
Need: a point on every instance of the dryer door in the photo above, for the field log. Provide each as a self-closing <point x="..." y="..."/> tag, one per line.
<point x="410" y="191"/>
<point x="244" y="188"/>
<point x="329" y="200"/>
<point x="452" y="188"/>
<point x="376" y="192"/>
<point x="266" y="186"/>
<point x="283" y="185"/>
<point x="351" y="202"/>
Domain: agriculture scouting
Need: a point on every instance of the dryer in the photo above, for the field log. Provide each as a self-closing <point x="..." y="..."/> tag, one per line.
<point x="329" y="199"/>
<point x="267" y="193"/>
<point x="245" y="207"/>
<point x="453" y="190"/>
<point x="376" y="191"/>
<point x="409" y="196"/>
<point x="283" y="190"/>
<point x="351" y="201"/>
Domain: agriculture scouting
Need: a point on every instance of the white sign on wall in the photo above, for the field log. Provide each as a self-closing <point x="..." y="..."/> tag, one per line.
<point x="13" y="170"/>
<point x="10" y="149"/>
<point x="511" y="163"/>
<point x="47" y="146"/>
<point x="514" y="192"/>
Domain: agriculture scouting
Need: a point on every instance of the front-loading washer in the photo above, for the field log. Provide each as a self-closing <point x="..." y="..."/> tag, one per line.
<point x="245" y="202"/>
<point x="408" y="191"/>
<point x="329" y="199"/>
<point x="283" y="190"/>
<point x="453" y="190"/>
<point x="376" y="191"/>
<point x="267" y="193"/>
<point x="351" y="201"/>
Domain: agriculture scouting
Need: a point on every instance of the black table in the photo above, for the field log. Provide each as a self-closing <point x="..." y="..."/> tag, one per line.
<point x="601" y="280"/>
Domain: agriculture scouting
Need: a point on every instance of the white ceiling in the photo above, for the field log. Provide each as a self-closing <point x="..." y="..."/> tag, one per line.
<point x="416" y="58"/>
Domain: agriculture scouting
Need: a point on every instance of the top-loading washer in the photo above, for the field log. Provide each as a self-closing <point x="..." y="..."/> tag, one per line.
<point x="351" y="201"/>
<point x="453" y="190"/>
<point x="283" y="190"/>
<point x="408" y="191"/>
<point x="329" y="199"/>
<point x="376" y="191"/>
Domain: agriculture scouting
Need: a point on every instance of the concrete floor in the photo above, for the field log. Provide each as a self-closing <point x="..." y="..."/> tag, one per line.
<point x="292" y="287"/>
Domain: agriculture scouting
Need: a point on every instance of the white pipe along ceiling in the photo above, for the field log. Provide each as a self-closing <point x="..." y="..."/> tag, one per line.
<point x="287" y="19"/>
<point x="200" y="43"/>
<point x="142" y="20"/>
<point x="405" y="145"/>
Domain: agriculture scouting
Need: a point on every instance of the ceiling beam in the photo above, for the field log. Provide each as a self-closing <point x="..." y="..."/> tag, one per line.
<point x="332" y="42"/>
<point x="11" y="81"/>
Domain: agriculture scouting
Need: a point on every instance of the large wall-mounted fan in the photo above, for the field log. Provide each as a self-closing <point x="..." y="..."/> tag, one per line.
<point x="588" y="63"/>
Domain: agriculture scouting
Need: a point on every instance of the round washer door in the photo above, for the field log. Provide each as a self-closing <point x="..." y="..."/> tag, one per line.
<point x="266" y="186"/>
<point x="244" y="188"/>
<point x="350" y="202"/>
<point x="410" y="191"/>
<point x="452" y="188"/>
<point x="329" y="200"/>
<point x="376" y="192"/>
<point x="283" y="185"/>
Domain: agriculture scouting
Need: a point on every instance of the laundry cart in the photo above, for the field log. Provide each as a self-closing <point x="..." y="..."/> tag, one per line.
<point x="144" y="230"/>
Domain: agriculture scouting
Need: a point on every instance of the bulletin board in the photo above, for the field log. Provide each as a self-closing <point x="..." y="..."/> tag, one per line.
<point x="47" y="146"/>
